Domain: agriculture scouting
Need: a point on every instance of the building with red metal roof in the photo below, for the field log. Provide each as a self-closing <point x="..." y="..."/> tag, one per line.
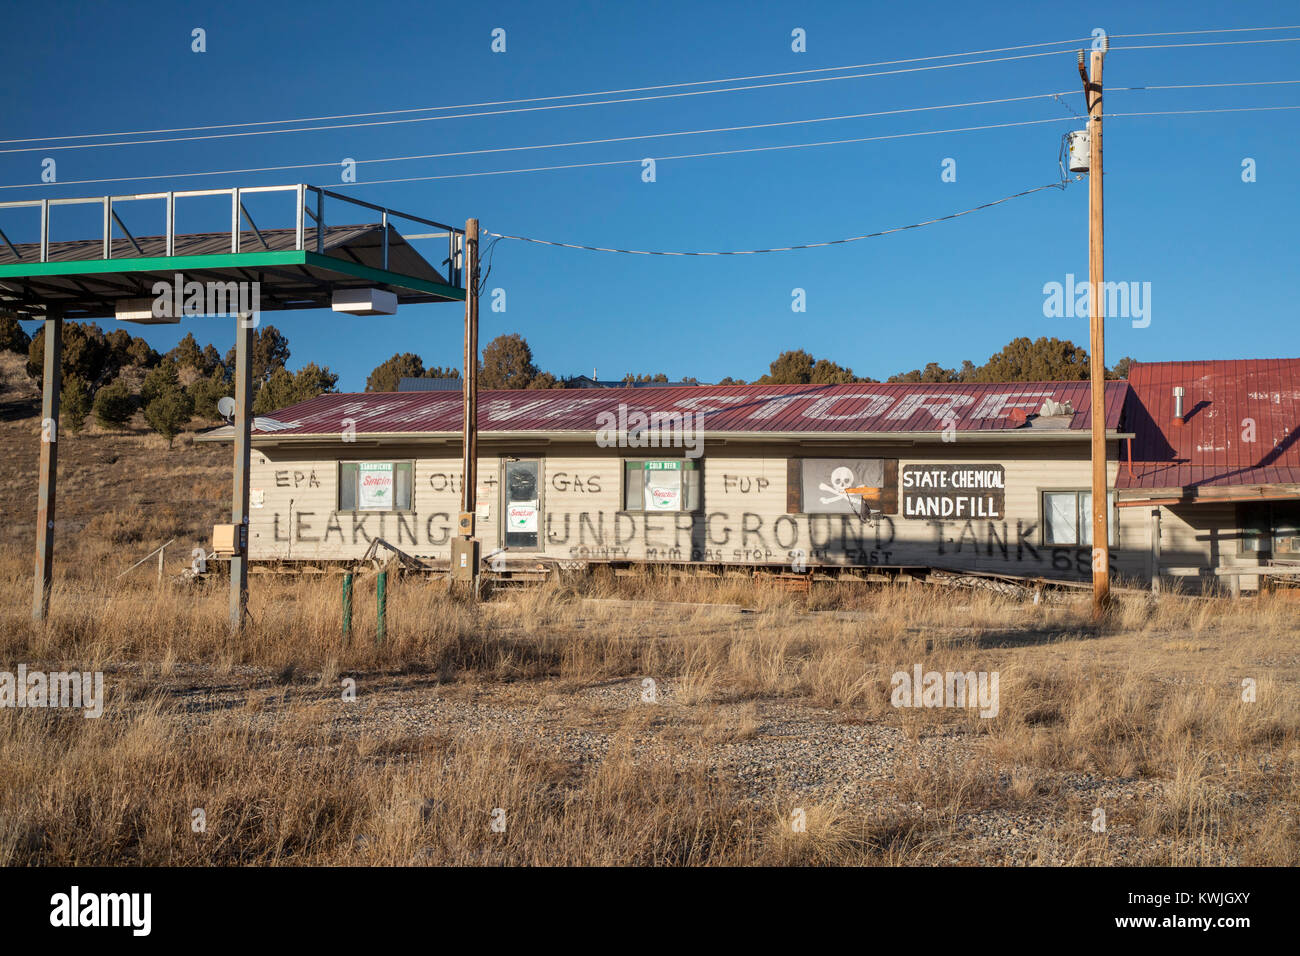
<point x="1215" y="461"/>
<point x="732" y="410"/>
<point x="990" y="478"/>
<point x="1239" y="426"/>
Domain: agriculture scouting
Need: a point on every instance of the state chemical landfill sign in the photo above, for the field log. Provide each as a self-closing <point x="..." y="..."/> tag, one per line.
<point x="954" y="491"/>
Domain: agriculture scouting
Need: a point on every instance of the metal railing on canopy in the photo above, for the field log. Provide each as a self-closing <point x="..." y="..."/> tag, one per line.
<point x="313" y="207"/>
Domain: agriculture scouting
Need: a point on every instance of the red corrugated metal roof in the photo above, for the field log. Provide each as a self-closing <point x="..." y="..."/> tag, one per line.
<point x="1221" y="400"/>
<point x="814" y="409"/>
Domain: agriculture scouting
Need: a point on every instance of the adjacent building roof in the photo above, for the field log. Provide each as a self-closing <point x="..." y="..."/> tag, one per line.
<point x="583" y="381"/>
<point x="1240" y="424"/>
<point x="422" y="384"/>
<point x="1009" y="410"/>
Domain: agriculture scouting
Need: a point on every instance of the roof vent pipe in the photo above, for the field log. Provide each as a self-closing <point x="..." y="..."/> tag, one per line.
<point x="1178" y="404"/>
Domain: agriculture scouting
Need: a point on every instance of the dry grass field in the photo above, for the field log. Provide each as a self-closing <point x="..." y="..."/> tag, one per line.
<point x="517" y="731"/>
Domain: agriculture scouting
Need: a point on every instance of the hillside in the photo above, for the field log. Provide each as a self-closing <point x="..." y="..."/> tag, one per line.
<point x="119" y="491"/>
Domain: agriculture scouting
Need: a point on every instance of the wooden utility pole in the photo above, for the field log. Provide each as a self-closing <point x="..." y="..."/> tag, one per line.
<point x="464" y="549"/>
<point x="1092" y="90"/>
<point x="470" y="465"/>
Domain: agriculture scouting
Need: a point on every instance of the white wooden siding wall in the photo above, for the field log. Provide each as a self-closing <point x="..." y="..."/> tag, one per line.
<point x="298" y="518"/>
<point x="743" y="519"/>
<point x="1204" y="536"/>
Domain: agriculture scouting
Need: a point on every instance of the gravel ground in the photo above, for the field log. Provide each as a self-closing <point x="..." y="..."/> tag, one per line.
<point x="777" y="752"/>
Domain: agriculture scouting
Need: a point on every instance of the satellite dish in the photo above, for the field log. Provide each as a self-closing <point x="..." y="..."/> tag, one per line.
<point x="226" y="407"/>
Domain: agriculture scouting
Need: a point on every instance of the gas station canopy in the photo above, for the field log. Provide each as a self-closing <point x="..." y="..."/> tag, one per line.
<point x="299" y="267"/>
<point x="364" y="269"/>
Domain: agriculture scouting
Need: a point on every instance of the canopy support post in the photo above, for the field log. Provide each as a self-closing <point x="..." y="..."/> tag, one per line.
<point x="244" y="323"/>
<point x="46" y="493"/>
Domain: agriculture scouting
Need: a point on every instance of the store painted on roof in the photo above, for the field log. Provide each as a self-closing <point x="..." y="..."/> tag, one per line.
<point x="979" y="477"/>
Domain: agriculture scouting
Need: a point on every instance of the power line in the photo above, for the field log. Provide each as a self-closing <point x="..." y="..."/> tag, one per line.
<point x="616" y="162"/>
<point x="1179" y="46"/>
<point x="633" y="99"/>
<point x="1184" y="33"/>
<point x="1188" y="86"/>
<point x="488" y="255"/>
<point x="760" y="149"/>
<point x="638" y="89"/>
<point x="623" y="139"/>
<point x="538" y="99"/>
<point x="1226" y="109"/>
<point x="624" y="162"/>
<point x="528" y="109"/>
<point x="806" y="245"/>
<point x="1067" y="107"/>
<point x="1200" y="86"/>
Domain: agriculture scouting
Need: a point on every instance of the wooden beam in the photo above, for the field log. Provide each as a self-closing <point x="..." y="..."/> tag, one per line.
<point x="1155" y="550"/>
<point x="1209" y="499"/>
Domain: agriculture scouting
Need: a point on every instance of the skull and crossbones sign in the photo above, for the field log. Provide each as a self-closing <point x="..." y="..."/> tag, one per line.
<point x="841" y="481"/>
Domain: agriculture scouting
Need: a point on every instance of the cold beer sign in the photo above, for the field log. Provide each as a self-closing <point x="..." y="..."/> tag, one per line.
<point x="954" y="491"/>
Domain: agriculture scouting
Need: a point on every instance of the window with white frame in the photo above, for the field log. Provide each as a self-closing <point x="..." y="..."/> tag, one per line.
<point x="665" y="485"/>
<point x="374" y="486"/>
<point x="1067" y="518"/>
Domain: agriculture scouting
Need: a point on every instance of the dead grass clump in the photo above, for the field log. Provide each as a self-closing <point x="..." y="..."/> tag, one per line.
<point x="828" y="834"/>
<point x="118" y="528"/>
<point x="951" y="784"/>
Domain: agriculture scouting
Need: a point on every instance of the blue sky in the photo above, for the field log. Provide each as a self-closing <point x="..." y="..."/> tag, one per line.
<point x="1219" y="252"/>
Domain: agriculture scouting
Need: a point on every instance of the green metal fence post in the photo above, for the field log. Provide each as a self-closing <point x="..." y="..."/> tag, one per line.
<point x="347" y="607"/>
<point x="381" y="590"/>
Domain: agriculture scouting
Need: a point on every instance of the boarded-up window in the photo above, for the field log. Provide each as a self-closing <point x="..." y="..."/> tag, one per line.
<point x="374" y="486"/>
<point x="667" y="485"/>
